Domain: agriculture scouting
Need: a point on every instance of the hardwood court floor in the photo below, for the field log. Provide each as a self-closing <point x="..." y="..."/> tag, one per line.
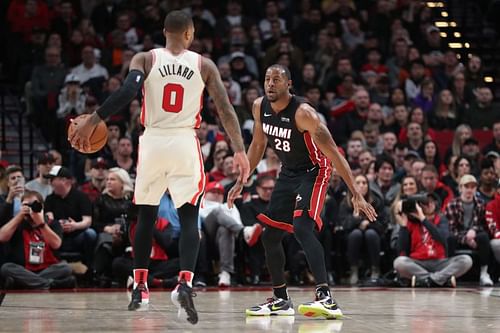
<point x="366" y="310"/>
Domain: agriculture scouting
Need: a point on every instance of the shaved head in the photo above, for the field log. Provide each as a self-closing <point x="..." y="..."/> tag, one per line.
<point x="177" y="22"/>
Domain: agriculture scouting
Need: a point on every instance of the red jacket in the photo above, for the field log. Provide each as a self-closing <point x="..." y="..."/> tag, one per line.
<point x="493" y="216"/>
<point x="423" y="246"/>
<point x="157" y="252"/>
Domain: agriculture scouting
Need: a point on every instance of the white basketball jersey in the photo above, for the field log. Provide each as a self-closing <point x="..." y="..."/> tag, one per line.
<point x="173" y="91"/>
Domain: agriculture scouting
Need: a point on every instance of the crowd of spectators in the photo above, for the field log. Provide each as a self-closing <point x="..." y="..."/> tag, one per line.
<point x="380" y="77"/>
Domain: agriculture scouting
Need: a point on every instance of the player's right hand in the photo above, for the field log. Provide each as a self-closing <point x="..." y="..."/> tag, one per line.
<point x="234" y="193"/>
<point x="360" y="205"/>
<point x="241" y="163"/>
<point x="80" y="138"/>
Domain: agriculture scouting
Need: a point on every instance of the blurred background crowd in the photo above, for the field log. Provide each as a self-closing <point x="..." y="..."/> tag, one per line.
<point x="411" y="114"/>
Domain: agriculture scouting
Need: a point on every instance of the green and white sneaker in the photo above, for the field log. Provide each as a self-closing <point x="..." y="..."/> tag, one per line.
<point x="273" y="307"/>
<point x="324" y="306"/>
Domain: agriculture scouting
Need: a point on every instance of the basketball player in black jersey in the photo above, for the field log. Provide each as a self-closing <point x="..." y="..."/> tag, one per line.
<point x="306" y="149"/>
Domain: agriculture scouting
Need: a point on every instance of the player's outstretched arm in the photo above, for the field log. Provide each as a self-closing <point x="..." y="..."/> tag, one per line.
<point x="226" y="114"/>
<point x="114" y="103"/>
<point x="307" y="119"/>
<point x="255" y="151"/>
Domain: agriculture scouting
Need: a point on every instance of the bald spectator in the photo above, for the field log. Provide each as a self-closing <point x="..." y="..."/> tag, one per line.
<point x="89" y="68"/>
<point x="354" y="120"/>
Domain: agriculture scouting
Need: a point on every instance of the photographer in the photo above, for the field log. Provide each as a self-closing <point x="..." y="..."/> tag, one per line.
<point x="422" y="245"/>
<point x="466" y="215"/>
<point x="32" y="242"/>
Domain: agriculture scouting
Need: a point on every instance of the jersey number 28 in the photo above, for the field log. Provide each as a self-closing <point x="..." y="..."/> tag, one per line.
<point x="282" y="145"/>
<point x="173" y="96"/>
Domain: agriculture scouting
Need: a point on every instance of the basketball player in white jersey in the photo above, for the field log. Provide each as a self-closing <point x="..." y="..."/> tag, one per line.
<point x="172" y="80"/>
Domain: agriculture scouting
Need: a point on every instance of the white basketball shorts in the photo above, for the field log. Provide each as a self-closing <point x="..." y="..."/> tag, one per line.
<point x="169" y="159"/>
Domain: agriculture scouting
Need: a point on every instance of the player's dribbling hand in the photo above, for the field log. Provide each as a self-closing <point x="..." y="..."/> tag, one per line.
<point x="242" y="166"/>
<point x="234" y="193"/>
<point x="361" y="206"/>
<point x="80" y="138"/>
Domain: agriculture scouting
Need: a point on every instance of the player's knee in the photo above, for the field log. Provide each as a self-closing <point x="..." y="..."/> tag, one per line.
<point x="271" y="235"/>
<point x="303" y="226"/>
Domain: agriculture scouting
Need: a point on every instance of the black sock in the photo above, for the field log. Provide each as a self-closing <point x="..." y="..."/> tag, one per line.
<point x="143" y="239"/>
<point x="189" y="240"/>
<point x="280" y="292"/>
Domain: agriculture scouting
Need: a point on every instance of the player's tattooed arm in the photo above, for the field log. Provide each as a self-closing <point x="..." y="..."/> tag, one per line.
<point x="225" y="110"/>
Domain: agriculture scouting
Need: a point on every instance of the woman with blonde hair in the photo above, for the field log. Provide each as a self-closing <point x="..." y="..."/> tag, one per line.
<point x="462" y="133"/>
<point x="110" y="221"/>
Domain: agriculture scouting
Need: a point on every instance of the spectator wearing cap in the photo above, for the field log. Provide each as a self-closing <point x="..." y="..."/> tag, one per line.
<point x="73" y="209"/>
<point x="431" y="184"/>
<point x="468" y="228"/>
<point x="422" y="245"/>
<point x="109" y="220"/>
<point x="239" y="70"/>
<point x="32" y="240"/>
<point x="41" y="184"/>
<point x="71" y="98"/>
<point x="432" y="47"/>
<point x="494" y="146"/>
<point x="471" y="150"/>
<point x="95" y="185"/>
<point x="488" y="180"/>
<point x="237" y="43"/>
<point x="222" y="225"/>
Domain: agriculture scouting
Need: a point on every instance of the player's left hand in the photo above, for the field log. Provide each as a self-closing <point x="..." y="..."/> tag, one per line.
<point x="242" y="165"/>
<point x="361" y="206"/>
<point x="80" y="138"/>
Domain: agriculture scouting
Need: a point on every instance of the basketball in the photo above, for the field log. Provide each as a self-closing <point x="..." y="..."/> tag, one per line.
<point x="98" y="138"/>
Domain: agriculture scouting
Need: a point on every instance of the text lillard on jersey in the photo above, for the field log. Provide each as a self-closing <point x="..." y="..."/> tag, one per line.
<point x="174" y="69"/>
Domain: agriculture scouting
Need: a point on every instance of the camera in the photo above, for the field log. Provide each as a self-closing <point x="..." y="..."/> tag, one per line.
<point x="409" y="204"/>
<point x="36" y="206"/>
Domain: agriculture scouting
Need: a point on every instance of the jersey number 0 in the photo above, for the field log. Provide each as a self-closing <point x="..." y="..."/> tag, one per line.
<point x="173" y="97"/>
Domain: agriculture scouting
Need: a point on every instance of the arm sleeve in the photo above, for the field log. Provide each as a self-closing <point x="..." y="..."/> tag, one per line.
<point x="123" y="96"/>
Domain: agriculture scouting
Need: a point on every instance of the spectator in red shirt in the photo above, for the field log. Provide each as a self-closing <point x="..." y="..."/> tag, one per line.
<point x="422" y="247"/>
<point x="493" y="217"/>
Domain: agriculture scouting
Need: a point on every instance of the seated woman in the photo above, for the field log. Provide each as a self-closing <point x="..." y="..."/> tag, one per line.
<point x="361" y="232"/>
<point x="109" y="220"/>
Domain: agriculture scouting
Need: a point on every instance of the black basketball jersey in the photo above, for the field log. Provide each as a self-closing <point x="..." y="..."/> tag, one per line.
<point x="296" y="150"/>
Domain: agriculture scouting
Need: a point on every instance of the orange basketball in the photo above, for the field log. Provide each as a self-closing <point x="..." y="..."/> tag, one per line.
<point x="98" y="138"/>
